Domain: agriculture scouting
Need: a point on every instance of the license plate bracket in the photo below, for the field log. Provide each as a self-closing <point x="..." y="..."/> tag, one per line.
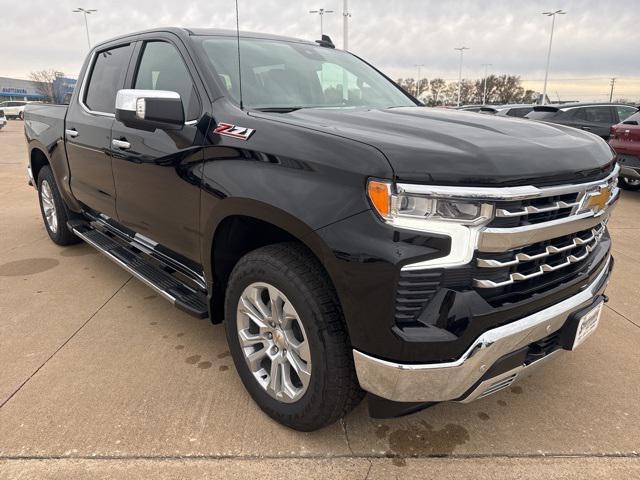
<point x="581" y="325"/>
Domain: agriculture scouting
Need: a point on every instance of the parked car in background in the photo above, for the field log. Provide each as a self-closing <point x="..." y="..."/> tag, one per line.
<point x="3" y="119"/>
<point x="13" y="108"/>
<point x="625" y="140"/>
<point x="592" y="117"/>
<point x="514" y="110"/>
<point x="470" y="108"/>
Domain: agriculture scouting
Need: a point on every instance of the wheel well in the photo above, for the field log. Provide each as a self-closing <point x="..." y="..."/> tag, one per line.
<point x="235" y="237"/>
<point x="38" y="160"/>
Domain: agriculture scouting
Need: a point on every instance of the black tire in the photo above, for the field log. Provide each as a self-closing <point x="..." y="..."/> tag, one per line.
<point x="625" y="183"/>
<point x="62" y="235"/>
<point x="21" y="115"/>
<point x="333" y="388"/>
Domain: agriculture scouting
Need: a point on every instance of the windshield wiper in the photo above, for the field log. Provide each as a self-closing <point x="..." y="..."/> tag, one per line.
<point x="278" y="109"/>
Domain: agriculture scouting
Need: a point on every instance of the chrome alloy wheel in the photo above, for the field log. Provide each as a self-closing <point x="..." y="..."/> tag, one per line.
<point x="274" y="342"/>
<point x="48" y="206"/>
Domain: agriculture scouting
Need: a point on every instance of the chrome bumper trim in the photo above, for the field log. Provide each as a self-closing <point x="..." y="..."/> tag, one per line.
<point x="437" y="382"/>
<point x="630" y="172"/>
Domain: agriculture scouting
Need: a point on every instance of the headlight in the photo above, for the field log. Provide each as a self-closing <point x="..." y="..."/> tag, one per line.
<point x="406" y="210"/>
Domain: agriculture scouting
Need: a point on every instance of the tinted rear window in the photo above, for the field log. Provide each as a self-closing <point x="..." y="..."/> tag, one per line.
<point x="541" y="115"/>
<point x="518" y="111"/>
<point x="107" y="77"/>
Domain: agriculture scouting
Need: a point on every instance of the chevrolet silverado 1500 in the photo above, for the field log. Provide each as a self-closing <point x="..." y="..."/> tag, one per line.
<point x="351" y="240"/>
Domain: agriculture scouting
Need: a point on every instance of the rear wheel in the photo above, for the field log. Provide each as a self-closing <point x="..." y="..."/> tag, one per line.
<point x="288" y="338"/>
<point x="54" y="212"/>
<point x="630" y="183"/>
<point x="21" y="115"/>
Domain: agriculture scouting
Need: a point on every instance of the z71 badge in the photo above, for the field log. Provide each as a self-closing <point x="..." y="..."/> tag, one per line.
<point x="234" y="131"/>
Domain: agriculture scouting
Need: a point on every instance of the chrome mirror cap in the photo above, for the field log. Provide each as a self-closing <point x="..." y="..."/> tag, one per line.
<point x="133" y="100"/>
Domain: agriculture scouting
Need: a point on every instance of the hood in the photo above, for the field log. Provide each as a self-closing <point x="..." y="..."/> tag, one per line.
<point x="440" y="146"/>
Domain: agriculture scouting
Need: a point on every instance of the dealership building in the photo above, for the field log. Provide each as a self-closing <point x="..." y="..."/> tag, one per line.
<point x="18" y="89"/>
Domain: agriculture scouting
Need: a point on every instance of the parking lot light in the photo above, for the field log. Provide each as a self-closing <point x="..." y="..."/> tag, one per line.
<point x="86" y="23"/>
<point x="461" y="49"/>
<point x="546" y="72"/>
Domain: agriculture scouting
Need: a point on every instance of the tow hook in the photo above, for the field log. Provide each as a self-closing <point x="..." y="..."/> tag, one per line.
<point x="605" y="298"/>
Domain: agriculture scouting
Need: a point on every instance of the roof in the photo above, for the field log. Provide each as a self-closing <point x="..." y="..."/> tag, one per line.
<point x="562" y="106"/>
<point x="186" y="32"/>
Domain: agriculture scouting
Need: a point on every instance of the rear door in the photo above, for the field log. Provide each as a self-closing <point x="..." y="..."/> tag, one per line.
<point x="595" y="119"/>
<point x="88" y="129"/>
<point x="157" y="175"/>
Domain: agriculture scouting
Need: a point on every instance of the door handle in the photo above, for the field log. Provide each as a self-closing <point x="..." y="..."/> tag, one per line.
<point x="121" y="144"/>
<point x="588" y="129"/>
<point x="73" y="133"/>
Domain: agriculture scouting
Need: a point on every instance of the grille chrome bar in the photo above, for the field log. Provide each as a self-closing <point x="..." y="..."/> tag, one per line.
<point x="549" y="250"/>
<point x="545" y="267"/>
<point x="502" y="212"/>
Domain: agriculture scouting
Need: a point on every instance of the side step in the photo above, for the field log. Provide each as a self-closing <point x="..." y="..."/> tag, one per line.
<point x="182" y="296"/>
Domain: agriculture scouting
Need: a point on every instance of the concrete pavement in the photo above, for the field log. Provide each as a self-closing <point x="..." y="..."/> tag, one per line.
<point x="100" y="378"/>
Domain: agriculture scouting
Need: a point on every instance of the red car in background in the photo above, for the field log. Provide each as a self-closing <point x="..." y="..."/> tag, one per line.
<point x="625" y="140"/>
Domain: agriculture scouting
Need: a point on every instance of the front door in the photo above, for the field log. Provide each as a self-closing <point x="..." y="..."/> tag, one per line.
<point x="157" y="174"/>
<point x="88" y="129"/>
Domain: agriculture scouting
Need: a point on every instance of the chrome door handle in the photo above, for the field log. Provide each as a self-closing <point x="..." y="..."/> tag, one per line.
<point x="121" y="144"/>
<point x="71" y="133"/>
<point x="588" y="129"/>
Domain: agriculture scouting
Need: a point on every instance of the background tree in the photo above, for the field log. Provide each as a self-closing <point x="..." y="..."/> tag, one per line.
<point x="501" y="89"/>
<point x="44" y="83"/>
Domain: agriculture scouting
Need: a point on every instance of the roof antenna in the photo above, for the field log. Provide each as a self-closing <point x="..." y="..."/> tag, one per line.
<point x="239" y="65"/>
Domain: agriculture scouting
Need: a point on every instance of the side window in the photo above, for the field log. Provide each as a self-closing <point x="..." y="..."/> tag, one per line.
<point x="599" y="114"/>
<point x="625" y="112"/>
<point x="162" y="68"/>
<point x="107" y="77"/>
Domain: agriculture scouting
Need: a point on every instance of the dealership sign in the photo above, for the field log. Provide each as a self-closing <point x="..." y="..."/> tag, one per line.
<point x="22" y="91"/>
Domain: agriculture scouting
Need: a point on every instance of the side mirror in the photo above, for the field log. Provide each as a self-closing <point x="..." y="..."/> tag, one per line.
<point x="150" y="109"/>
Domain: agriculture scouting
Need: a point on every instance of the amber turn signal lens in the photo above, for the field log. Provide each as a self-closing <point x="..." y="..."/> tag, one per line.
<point x="380" y="196"/>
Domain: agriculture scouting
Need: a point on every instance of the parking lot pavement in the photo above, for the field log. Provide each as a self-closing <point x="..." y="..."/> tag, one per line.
<point x="101" y="378"/>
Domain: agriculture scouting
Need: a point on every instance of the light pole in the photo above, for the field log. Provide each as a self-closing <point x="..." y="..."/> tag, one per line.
<point x="461" y="50"/>
<point x="86" y="23"/>
<point x="418" y="82"/>
<point x="484" y="94"/>
<point x="321" y="12"/>
<point x="546" y="72"/>
<point x="613" y="82"/>
<point x="345" y="24"/>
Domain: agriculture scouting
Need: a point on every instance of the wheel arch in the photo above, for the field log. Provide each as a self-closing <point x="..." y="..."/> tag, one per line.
<point x="239" y="226"/>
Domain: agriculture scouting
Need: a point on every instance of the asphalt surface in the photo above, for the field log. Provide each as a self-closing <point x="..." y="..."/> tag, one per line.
<point x="101" y="378"/>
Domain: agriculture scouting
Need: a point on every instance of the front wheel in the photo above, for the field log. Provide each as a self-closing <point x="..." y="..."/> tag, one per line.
<point x="630" y="183"/>
<point x="288" y="338"/>
<point x="54" y="211"/>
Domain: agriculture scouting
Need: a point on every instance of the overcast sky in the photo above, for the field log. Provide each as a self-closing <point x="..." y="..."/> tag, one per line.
<point x="596" y="40"/>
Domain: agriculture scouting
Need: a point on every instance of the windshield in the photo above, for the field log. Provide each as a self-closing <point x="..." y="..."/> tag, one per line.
<point x="287" y="75"/>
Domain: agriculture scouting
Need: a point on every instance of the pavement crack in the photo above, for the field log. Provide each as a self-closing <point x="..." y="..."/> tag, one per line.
<point x="343" y="424"/>
<point x="65" y="343"/>
<point x="370" y="457"/>
<point x="623" y="316"/>
<point x="366" y="477"/>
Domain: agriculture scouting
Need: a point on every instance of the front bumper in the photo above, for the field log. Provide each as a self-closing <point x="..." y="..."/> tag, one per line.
<point x="466" y="379"/>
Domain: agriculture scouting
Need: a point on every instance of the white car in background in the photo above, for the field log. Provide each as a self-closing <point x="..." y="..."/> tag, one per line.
<point x="13" y="108"/>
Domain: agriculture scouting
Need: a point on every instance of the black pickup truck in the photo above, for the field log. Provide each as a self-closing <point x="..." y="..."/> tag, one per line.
<point x="350" y="239"/>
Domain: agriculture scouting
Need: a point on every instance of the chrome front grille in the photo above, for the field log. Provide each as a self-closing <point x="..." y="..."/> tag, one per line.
<point x="535" y="210"/>
<point x="540" y="258"/>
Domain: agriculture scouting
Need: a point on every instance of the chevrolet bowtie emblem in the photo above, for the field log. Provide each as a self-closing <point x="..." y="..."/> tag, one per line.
<point x="597" y="201"/>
